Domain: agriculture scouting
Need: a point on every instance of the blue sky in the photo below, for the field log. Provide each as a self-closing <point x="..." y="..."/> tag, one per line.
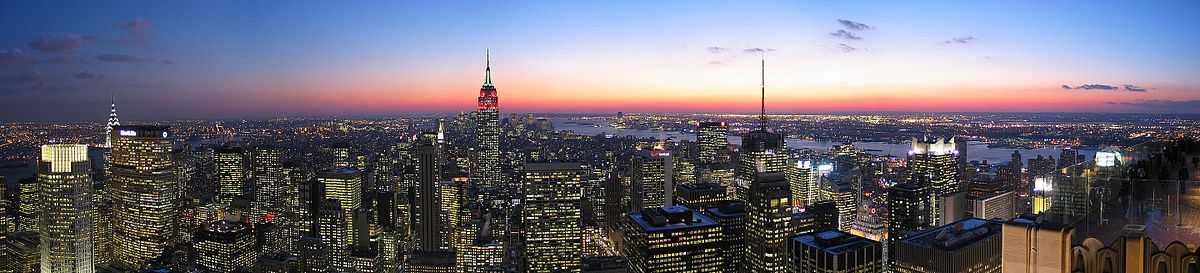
<point x="220" y="59"/>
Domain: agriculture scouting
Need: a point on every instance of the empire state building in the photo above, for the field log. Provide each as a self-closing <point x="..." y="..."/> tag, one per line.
<point x="487" y="132"/>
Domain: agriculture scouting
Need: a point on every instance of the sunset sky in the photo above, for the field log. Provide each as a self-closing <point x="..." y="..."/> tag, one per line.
<point x="217" y="59"/>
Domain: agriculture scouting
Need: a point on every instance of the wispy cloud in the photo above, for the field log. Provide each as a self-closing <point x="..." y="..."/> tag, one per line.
<point x="1096" y="86"/>
<point x="960" y="40"/>
<point x="847" y="48"/>
<point x="714" y="62"/>
<point x="1107" y="87"/>
<point x="842" y="33"/>
<point x="1192" y="106"/>
<point x="854" y="25"/>
<point x="757" y="50"/>
<point x="119" y="58"/>
<point x="716" y="49"/>
<point x="138" y="30"/>
<point x="60" y="43"/>
<point x="1134" y="88"/>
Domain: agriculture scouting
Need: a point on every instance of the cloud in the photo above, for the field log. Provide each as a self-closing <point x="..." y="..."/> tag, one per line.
<point x="854" y="25"/>
<point x="1108" y="87"/>
<point x="138" y="29"/>
<point x="14" y="56"/>
<point x="842" y="33"/>
<point x="1134" y="88"/>
<point x="86" y="75"/>
<point x="1096" y="86"/>
<point x="165" y="61"/>
<point x="757" y="50"/>
<point x="716" y="49"/>
<point x="714" y="62"/>
<point x="1163" y="105"/>
<point x="136" y="26"/>
<point x="61" y="43"/>
<point x="119" y="58"/>
<point x="960" y="40"/>
<point x="847" y="48"/>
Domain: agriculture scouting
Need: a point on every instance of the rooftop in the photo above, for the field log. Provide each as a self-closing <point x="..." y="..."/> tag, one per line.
<point x="553" y="166"/>
<point x="728" y="208"/>
<point x="834" y="242"/>
<point x="955" y="235"/>
<point x="669" y="218"/>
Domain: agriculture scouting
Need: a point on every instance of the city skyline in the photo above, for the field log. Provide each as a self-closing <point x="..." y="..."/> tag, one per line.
<point x="64" y="62"/>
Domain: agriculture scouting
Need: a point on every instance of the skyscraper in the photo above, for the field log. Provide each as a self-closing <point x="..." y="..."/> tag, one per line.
<point x="833" y="251"/>
<point x="700" y="196"/>
<point x="332" y="226"/>
<point x="113" y="121"/>
<point x="1029" y="246"/>
<point x="672" y="239"/>
<point x="451" y="201"/>
<point x="269" y="184"/>
<point x="487" y="132"/>
<point x="344" y="185"/>
<point x="908" y="212"/>
<point x="143" y="193"/>
<point x="762" y="151"/>
<point x="713" y="139"/>
<point x="652" y="180"/>
<point x="846" y="198"/>
<point x="225" y="246"/>
<point x="731" y="215"/>
<point x="994" y="206"/>
<point x="6" y="221"/>
<point x="29" y="204"/>
<point x="427" y="219"/>
<point x="65" y="218"/>
<point x="231" y="173"/>
<point x="768" y="222"/>
<point x="552" y="217"/>
<point x="936" y="162"/>
<point x="968" y="245"/>
<point x="802" y="182"/>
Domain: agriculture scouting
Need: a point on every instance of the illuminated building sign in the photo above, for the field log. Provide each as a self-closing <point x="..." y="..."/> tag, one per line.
<point x="127" y="133"/>
<point x="825" y="169"/>
<point x="1042" y="184"/>
<point x="1107" y="159"/>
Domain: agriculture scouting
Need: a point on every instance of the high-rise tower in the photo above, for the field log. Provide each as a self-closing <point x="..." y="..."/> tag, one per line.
<point x="426" y="209"/>
<point x="936" y="164"/>
<point x="113" y="121"/>
<point x="231" y="173"/>
<point x="762" y="151"/>
<point x="551" y="215"/>
<point x="768" y="195"/>
<point x="487" y="132"/>
<point x="144" y="194"/>
<point x="65" y="220"/>
<point x="713" y="139"/>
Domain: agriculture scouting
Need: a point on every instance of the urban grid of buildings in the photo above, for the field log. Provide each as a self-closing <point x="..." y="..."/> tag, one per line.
<point x="480" y="192"/>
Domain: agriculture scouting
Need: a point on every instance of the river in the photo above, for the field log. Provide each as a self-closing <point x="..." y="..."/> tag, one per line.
<point x="975" y="150"/>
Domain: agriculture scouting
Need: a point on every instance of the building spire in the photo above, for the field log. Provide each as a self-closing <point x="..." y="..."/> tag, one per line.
<point x="112" y="120"/>
<point x="763" y="99"/>
<point x="487" y="74"/>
